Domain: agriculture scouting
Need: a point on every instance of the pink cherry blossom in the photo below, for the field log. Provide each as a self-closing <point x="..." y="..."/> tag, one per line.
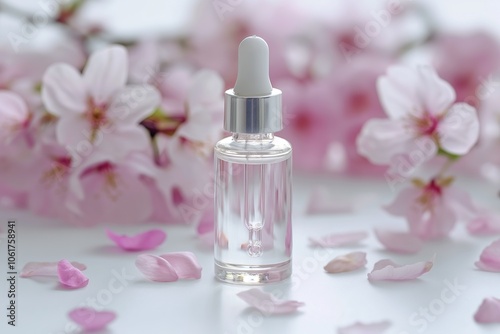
<point x="432" y="209"/>
<point x="465" y="60"/>
<point x="111" y="193"/>
<point x="355" y="100"/>
<point x="183" y="158"/>
<point x="18" y="155"/>
<point x="50" y="191"/>
<point x="419" y="105"/>
<point x="14" y="116"/>
<point x="96" y="108"/>
<point x="308" y="119"/>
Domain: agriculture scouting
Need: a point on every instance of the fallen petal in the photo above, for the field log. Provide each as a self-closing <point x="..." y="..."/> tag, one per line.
<point x="488" y="311"/>
<point x="32" y="269"/>
<point x="490" y="258"/>
<point x="142" y="241"/>
<point x="267" y="303"/>
<point x="399" y="242"/>
<point x="347" y="262"/>
<point x="338" y="239"/>
<point x="370" y="328"/>
<point x="387" y="270"/>
<point x="484" y="225"/>
<point x="156" y="268"/>
<point x="90" y="319"/>
<point x="322" y="202"/>
<point x="185" y="264"/>
<point x="71" y="276"/>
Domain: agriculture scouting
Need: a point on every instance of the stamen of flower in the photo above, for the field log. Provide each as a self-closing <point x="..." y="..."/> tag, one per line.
<point x="107" y="170"/>
<point x="430" y="192"/>
<point x="425" y="125"/>
<point x="60" y="168"/>
<point x="97" y="117"/>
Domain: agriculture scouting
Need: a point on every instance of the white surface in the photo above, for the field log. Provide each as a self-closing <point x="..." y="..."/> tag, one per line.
<point x="207" y="306"/>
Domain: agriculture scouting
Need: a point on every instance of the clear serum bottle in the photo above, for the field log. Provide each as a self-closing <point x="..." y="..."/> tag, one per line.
<point x="253" y="177"/>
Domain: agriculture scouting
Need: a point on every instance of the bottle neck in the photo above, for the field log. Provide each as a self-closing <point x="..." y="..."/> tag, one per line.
<point x="253" y="137"/>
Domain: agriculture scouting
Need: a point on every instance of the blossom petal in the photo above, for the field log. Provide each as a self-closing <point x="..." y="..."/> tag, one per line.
<point x="206" y="88"/>
<point x="435" y="93"/>
<point x="156" y="268"/>
<point x="142" y="241"/>
<point x="386" y="270"/>
<point x="13" y="110"/>
<point x="32" y="269"/>
<point x="63" y="90"/>
<point x="106" y="72"/>
<point x="339" y="239"/>
<point x="369" y="328"/>
<point x="488" y="311"/>
<point x="399" y="242"/>
<point x="322" y="202"/>
<point x="267" y="303"/>
<point x="382" y="139"/>
<point x="490" y="258"/>
<point x="346" y="262"/>
<point x="404" y="201"/>
<point x="90" y="319"/>
<point x="122" y="141"/>
<point x="185" y="264"/>
<point x="74" y="133"/>
<point x="397" y="91"/>
<point x="71" y="276"/>
<point x="432" y="225"/>
<point x="133" y="104"/>
<point x="459" y="129"/>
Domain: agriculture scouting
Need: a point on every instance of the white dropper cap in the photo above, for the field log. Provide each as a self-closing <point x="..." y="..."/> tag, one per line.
<point x="253" y="105"/>
<point x="253" y="68"/>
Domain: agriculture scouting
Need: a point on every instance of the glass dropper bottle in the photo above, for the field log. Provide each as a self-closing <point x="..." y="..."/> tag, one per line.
<point x="253" y="177"/>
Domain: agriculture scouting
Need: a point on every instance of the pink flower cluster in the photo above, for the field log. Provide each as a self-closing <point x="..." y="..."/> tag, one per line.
<point x="97" y="146"/>
<point x="327" y="63"/>
<point x="424" y="122"/>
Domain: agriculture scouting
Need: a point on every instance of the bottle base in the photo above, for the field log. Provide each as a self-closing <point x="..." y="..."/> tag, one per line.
<point x="252" y="275"/>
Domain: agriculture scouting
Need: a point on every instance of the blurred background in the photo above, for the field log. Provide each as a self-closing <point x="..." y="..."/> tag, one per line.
<point x="325" y="55"/>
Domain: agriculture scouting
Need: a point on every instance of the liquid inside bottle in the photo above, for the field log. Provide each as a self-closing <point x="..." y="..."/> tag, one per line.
<point x="253" y="234"/>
